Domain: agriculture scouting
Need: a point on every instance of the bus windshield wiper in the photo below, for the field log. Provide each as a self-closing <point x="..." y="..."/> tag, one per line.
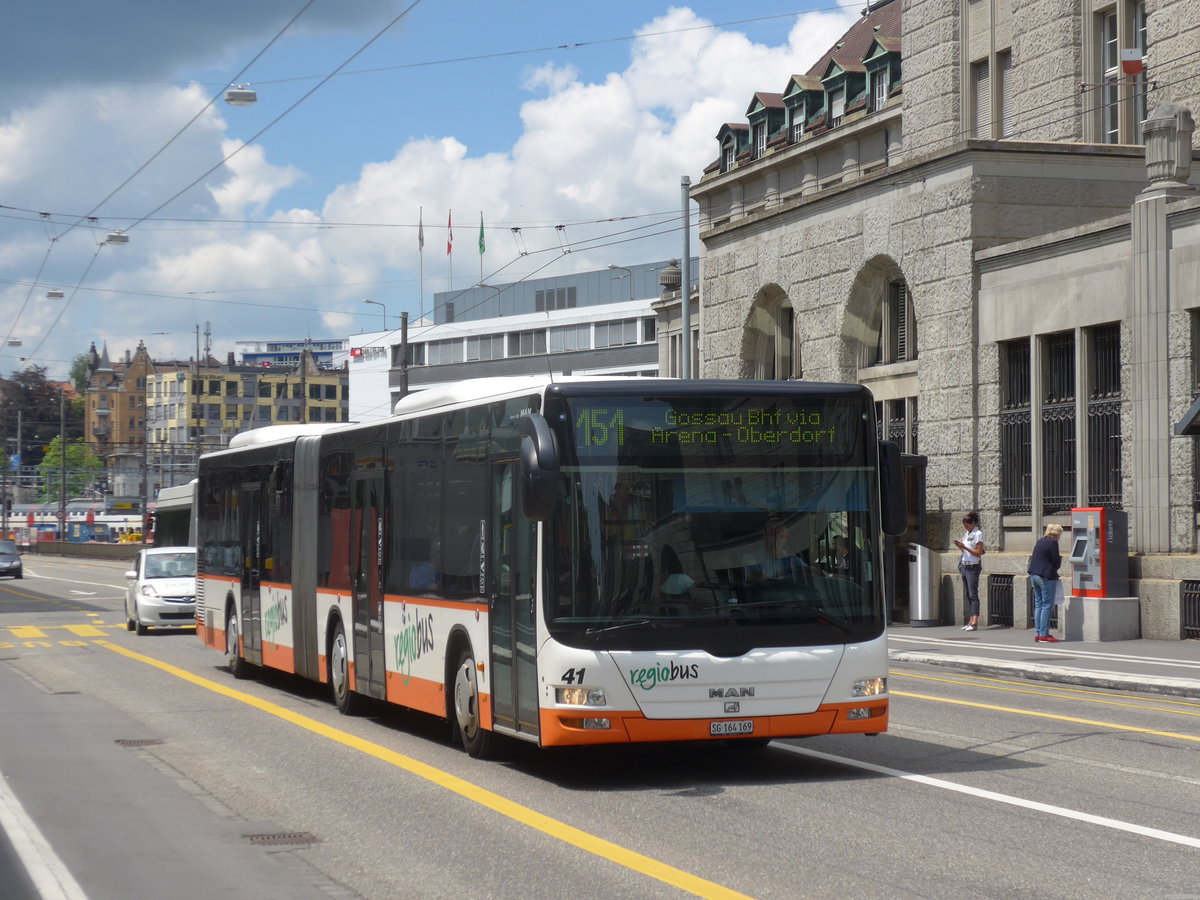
<point x="620" y="626"/>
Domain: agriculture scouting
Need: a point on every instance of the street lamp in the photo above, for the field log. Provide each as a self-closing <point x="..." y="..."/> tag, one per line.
<point x="628" y="274"/>
<point x="381" y="306"/>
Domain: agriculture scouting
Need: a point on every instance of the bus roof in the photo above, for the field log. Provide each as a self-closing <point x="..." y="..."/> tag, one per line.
<point x="473" y="390"/>
<point x="269" y="434"/>
<point x="176" y="497"/>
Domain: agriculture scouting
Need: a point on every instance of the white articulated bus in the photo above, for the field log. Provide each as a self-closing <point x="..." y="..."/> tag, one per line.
<point x="568" y="561"/>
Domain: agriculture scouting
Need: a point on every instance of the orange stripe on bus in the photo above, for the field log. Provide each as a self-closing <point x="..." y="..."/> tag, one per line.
<point x="278" y="656"/>
<point x="563" y="727"/>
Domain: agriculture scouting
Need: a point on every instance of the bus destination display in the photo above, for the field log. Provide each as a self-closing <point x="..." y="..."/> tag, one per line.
<point x="606" y="427"/>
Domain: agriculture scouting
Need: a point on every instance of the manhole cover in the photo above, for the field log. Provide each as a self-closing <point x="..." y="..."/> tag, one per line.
<point x="283" y="838"/>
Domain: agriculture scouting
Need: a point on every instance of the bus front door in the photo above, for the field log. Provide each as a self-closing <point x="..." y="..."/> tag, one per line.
<point x="366" y="572"/>
<point x="253" y="539"/>
<point x="513" y="614"/>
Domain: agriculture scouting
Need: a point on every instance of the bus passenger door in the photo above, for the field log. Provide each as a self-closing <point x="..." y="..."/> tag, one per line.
<point x="250" y="503"/>
<point x="513" y="614"/>
<point x="366" y="574"/>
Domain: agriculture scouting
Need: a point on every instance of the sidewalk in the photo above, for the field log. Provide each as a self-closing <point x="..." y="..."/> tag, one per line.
<point x="1162" y="667"/>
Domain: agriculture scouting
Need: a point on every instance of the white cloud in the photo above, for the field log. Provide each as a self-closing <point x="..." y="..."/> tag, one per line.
<point x="587" y="150"/>
<point x="254" y="181"/>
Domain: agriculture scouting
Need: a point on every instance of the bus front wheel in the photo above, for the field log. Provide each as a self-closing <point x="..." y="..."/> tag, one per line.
<point x="476" y="740"/>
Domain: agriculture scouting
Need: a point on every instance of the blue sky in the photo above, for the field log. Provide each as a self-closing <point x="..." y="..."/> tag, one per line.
<point x="468" y="106"/>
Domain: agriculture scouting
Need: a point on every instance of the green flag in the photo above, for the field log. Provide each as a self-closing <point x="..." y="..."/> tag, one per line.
<point x="482" y="245"/>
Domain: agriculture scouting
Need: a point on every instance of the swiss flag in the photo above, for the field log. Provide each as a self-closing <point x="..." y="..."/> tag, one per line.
<point x="1131" y="62"/>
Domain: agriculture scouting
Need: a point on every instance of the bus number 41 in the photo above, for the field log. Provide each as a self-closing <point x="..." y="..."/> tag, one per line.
<point x="573" y="676"/>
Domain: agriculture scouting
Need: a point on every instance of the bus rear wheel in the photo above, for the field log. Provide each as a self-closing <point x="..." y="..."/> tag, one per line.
<point x="476" y="740"/>
<point x="348" y="702"/>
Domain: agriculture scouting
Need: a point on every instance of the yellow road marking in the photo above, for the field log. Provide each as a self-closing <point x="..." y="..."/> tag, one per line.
<point x="623" y="856"/>
<point x="1042" y="715"/>
<point x="26" y="632"/>
<point x="85" y="630"/>
<point x="1064" y="693"/>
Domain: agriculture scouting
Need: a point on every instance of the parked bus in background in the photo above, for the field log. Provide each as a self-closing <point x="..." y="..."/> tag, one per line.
<point x="567" y="561"/>
<point x="174" y="519"/>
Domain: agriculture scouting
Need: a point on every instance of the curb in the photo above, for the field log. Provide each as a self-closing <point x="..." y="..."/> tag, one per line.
<point x="1117" y="681"/>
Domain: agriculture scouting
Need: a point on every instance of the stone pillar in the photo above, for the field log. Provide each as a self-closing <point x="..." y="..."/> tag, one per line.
<point x="1168" y="137"/>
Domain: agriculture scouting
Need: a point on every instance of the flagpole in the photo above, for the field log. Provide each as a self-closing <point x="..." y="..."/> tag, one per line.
<point x="421" y="262"/>
<point x="450" y="248"/>
<point x="481" y="246"/>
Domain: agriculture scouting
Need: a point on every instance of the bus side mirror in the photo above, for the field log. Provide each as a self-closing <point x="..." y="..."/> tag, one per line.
<point x="893" y="505"/>
<point x="539" y="467"/>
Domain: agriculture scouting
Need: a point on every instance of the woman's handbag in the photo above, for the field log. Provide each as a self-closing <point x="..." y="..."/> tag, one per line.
<point x="1059" y="596"/>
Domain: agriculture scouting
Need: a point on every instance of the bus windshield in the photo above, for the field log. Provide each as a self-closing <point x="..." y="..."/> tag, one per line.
<point x="721" y="523"/>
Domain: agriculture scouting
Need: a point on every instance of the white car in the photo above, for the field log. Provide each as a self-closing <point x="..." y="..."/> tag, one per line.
<point x="161" y="592"/>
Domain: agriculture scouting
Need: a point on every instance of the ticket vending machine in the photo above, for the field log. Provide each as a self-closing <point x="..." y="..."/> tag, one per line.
<point x="1099" y="553"/>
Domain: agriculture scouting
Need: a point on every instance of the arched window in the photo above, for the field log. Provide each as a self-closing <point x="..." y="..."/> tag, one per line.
<point x="772" y="352"/>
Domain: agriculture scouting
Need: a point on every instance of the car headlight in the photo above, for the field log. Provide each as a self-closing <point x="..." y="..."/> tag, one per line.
<point x="869" y="687"/>
<point x="149" y="591"/>
<point x="580" y="696"/>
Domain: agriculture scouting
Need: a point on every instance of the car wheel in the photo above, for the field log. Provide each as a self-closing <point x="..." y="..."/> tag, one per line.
<point x="19" y="574"/>
<point x="348" y="702"/>
<point x="137" y="620"/>
<point x="130" y="622"/>
<point x="238" y="667"/>
<point x="476" y="740"/>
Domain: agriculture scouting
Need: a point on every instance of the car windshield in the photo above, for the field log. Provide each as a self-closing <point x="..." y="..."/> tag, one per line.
<point x="171" y="565"/>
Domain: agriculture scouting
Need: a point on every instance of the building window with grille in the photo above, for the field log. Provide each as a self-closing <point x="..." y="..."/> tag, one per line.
<point x="485" y="346"/>
<point x="758" y="139"/>
<point x="796" y="128"/>
<point x="879" y="89"/>
<point x="1104" y="417"/>
<point x="527" y="343"/>
<point x="1016" y="458"/>
<point x="981" y="99"/>
<point x="1121" y="94"/>
<point x="1004" y="67"/>
<point x="898" y="325"/>
<point x="554" y="298"/>
<point x="1058" y="424"/>
<point x="898" y="420"/>
<point x="837" y="106"/>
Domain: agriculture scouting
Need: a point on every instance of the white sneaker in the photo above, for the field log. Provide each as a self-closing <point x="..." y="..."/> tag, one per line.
<point x="968" y="628"/>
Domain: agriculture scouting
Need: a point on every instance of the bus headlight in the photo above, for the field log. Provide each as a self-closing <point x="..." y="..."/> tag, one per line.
<point x="869" y="687"/>
<point x="580" y="696"/>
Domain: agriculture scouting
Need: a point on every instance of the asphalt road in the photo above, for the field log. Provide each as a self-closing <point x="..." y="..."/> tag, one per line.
<point x="150" y="772"/>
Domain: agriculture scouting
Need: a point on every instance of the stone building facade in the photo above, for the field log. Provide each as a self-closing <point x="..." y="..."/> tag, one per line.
<point x="845" y="229"/>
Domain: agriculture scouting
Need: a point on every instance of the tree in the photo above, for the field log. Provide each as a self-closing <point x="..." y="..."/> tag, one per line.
<point x="40" y="404"/>
<point x="83" y="469"/>
<point x="79" y="373"/>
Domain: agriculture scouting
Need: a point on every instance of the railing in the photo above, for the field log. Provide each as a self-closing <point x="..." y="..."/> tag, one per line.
<point x="1189" y="608"/>
<point x="1000" y="600"/>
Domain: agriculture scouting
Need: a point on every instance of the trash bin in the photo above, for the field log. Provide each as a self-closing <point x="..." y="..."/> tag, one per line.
<point x="924" y="577"/>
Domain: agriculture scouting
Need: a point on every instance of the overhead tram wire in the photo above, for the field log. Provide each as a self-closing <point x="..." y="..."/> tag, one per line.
<point x="37" y="215"/>
<point x="257" y="134"/>
<point x="193" y="119"/>
<point x="88" y="216"/>
<point x="254" y="137"/>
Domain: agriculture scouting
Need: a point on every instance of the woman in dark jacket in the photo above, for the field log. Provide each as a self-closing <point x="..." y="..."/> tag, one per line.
<point x="1044" y="563"/>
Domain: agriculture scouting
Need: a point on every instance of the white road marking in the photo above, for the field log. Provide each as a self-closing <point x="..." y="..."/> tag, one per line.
<point x="1102" y="821"/>
<point x="50" y="877"/>
<point x="1070" y="650"/>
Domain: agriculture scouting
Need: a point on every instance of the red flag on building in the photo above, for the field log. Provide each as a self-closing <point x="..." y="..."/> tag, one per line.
<point x="449" y="232"/>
